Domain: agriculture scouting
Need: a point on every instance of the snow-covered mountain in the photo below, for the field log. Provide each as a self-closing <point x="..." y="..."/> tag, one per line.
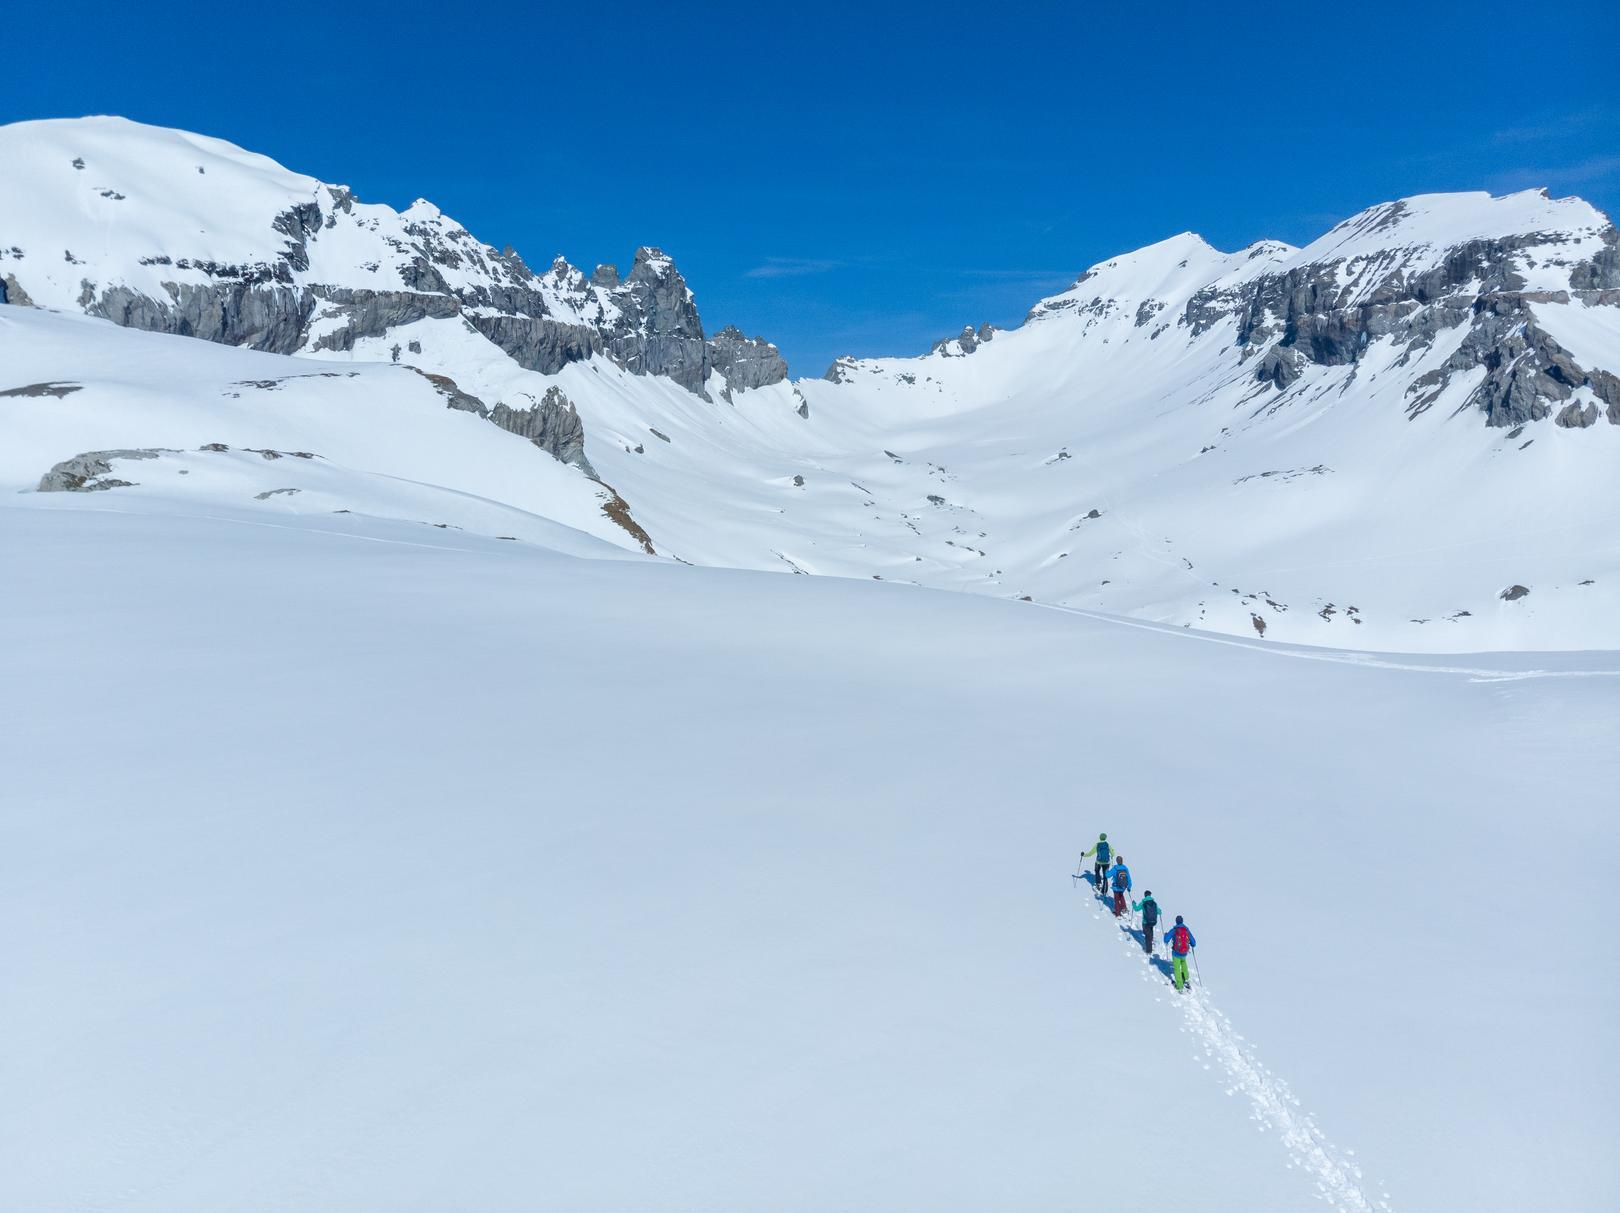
<point x="1399" y="436"/>
<point x="384" y="828"/>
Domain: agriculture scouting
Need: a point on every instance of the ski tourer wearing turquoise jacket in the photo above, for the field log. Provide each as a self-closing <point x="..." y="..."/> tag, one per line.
<point x="1150" y="919"/>
<point x="1181" y="941"/>
<point x="1119" y="876"/>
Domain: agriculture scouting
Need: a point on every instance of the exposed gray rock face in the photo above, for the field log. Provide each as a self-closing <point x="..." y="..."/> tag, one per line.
<point x="553" y="425"/>
<point x="1279" y="366"/>
<point x="1322" y="314"/>
<point x="966" y="341"/>
<point x="658" y="331"/>
<point x="372" y="313"/>
<point x="11" y="292"/>
<point x="92" y="471"/>
<point x="649" y="324"/>
<point x="266" y="316"/>
<point x="1527" y="372"/>
<point x="1602" y="272"/>
<point x="746" y="362"/>
<point x="427" y="268"/>
<point x="1606" y="387"/>
<point x="538" y="343"/>
<point x="1573" y="417"/>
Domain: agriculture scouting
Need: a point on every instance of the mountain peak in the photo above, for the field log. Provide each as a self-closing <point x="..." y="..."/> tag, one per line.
<point x="1169" y="269"/>
<point x="1438" y="222"/>
<point x="651" y="263"/>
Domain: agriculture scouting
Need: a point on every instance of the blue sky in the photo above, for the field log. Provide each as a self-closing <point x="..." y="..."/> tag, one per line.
<point x="862" y="178"/>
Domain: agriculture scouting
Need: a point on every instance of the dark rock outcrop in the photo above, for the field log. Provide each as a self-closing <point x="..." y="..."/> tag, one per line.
<point x="1606" y="388"/>
<point x="92" y="471"/>
<point x="746" y="362"/>
<point x="1573" y="417"/>
<point x="1327" y="314"/>
<point x="429" y="268"/>
<point x="269" y="316"/>
<point x="538" y="343"/>
<point x="11" y="291"/>
<point x="553" y="425"/>
<point x="965" y="342"/>
<point x="658" y="330"/>
<point x="1279" y="367"/>
<point x="369" y="313"/>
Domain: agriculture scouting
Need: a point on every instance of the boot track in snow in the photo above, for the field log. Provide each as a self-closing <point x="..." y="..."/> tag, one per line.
<point x="1274" y="1108"/>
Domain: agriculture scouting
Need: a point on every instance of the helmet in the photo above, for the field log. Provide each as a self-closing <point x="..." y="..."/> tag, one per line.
<point x="1102" y="837"/>
<point x="1178" y="920"/>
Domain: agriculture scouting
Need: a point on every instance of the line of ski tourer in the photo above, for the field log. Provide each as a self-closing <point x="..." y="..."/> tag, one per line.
<point x="1110" y="875"/>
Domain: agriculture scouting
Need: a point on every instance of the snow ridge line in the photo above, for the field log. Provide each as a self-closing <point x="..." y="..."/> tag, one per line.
<point x="1349" y="657"/>
<point x="1273" y="1106"/>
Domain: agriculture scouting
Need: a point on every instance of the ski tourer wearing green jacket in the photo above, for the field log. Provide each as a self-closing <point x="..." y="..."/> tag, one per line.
<point x="1104" y="852"/>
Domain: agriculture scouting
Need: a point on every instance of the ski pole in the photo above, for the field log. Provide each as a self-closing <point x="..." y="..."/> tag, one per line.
<point x="1195" y="966"/>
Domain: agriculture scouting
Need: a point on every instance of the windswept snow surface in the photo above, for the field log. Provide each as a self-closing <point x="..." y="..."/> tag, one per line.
<point x="347" y="864"/>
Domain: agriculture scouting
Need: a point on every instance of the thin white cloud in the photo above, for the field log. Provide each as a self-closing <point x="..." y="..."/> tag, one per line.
<point x="1594" y="169"/>
<point x="1555" y="126"/>
<point x="791" y="267"/>
<point x="1019" y="275"/>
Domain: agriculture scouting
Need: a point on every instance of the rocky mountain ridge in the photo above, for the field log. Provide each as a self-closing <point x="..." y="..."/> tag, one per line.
<point x="287" y="264"/>
<point x="1250" y="441"/>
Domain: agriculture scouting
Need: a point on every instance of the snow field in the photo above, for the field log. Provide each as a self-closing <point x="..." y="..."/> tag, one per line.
<point x="1275" y="1109"/>
<point x="364" y="869"/>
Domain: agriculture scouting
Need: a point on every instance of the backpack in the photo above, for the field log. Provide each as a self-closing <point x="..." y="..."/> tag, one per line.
<point x="1178" y="940"/>
<point x="1122" y="878"/>
<point x="1150" y="912"/>
<point x="1104" y="853"/>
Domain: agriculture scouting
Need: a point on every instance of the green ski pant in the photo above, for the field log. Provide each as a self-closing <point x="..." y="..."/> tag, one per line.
<point x="1178" y="967"/>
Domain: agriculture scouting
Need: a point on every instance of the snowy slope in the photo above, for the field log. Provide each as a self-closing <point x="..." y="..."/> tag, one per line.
<point x="348" y="868"/>
<point x="143" y="207"/>
<point x="1401" y="436"/>
<point x="377" y="440"/>
<point x="1120" y="452"/>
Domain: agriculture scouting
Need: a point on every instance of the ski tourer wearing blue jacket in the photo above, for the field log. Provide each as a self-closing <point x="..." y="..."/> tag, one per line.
<point x="1181" y="941"/>
<point x="1119" y="878"/>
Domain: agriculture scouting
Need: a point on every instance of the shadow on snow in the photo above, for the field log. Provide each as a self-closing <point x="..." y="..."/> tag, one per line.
<point x="1136" y="933"/>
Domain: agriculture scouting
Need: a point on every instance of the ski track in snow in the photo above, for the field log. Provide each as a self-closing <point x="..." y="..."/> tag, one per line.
<point x="1339" y="656"/>
<point x="1272" y="1106"/>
